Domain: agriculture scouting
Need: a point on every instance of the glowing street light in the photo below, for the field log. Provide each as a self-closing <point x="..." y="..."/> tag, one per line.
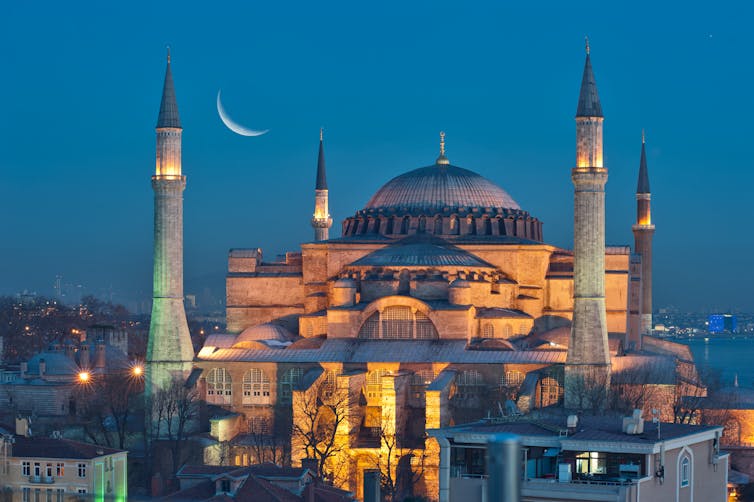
<point x="84" y="376"/>
<point x="137" y="371"/>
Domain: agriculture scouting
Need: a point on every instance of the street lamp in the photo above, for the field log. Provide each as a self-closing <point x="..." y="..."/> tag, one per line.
<point x="84" y="377"/>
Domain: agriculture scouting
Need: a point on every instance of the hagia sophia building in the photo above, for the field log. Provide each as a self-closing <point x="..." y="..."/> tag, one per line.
<point x="441" y="302"/>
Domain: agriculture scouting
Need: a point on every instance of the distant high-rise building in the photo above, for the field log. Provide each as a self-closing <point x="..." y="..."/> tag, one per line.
<point x="169" y="349"/>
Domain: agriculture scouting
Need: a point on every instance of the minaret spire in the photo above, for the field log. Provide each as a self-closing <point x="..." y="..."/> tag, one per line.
<point x="587" y="369"/>
<point x="321" y="221"/>
<point x="169" y="349"/>
<point x="643" y="232"/>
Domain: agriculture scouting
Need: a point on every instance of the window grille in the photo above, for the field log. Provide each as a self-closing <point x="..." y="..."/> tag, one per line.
<point x="398" y="322"/>
<point x="256" y="387"/>
<point x="219" y="386"/>
<point x="289" y="380"/>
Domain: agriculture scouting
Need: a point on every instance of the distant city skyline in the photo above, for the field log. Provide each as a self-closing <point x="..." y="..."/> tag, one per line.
<point x="83" y="84"/>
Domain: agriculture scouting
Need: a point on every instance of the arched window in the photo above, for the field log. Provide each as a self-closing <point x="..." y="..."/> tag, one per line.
<point x="488" y="330"/>
<point x="438" y="225"/>
<point x="422" y="225"/>
<point x="685" y="474"/>
<point x="289" y="380"/>
<point x="454" y="226"/>
<point x="507" y="331"/>
<point x="512" y="378"/>
<point x="219" y="386"/>
<point x="398" y="323"/>
<point x="256" y="387"/>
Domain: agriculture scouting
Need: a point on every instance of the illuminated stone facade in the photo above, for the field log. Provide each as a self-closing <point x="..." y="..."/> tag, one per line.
<point x="441" y="303"/>
<point x="169" y="348"/>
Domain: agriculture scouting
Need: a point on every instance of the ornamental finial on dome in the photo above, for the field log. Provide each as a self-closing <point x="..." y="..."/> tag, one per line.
<point x="442" y="159"/>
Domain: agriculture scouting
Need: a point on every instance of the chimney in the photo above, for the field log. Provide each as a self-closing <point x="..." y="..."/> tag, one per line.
<point x="372" y="485"/>
<point x="84" y="356"/>
<point x="22" y="426"/>
<point x="312" y="465"/>
<point x="99" y="358"/>
<point x="42" y="368"/>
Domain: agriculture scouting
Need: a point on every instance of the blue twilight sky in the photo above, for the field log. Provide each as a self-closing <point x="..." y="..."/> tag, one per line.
<point x="81" y="85"/>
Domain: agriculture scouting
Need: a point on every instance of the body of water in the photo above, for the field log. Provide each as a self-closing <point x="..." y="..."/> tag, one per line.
<point x="728" y="356"/>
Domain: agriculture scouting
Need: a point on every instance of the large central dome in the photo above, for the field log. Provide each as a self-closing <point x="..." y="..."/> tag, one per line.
<point x="446" y="201"/>
<point x="438" y="187"/>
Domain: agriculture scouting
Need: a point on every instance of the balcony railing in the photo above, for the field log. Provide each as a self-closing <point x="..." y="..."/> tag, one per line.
<point x="46" y="480"/>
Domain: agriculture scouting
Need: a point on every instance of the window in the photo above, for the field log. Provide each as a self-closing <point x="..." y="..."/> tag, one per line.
<point x="550" y="392"/>
<point x="469" y="384"/>
<point x="419" y="382"/>
<point x="225" y="485"/>
<point x="48" y="470"/>
<point x="49" y="495"/>
<point x="37" y="469"/>
<point x="60" y="495"/>
<point x="488" y="330"/>
<point x="591" y="462"/>
<point x="60" y="470"/>
<point x="288" y="382"/>
<point x="26" y="468"/>
<point x="256" y="387"/>
<point x="219" y="386"/>
<point x="82" y="470"/>
<point x="374" y="387"/>
<point x="37" y="494"/>
<point x="512" y="378"/>
<point x="26" y="493"/>
<point x="82" y="491"/>
<point x="399" y="322"/>
<point x="685" y="472"/>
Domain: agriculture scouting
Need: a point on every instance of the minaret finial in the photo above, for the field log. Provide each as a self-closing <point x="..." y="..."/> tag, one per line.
<point x="321" y="133"/>
<point x="643" y="136"/>
<point x="168" y="47"/>
<point x="586" y="39"/>
<point x="442" y="159"/>
<point x="735" y="380"/>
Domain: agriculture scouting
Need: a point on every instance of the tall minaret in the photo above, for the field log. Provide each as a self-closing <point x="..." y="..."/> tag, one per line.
<point x="169" y="349"/>
<point x="587" y="370"/>
<point x="321" y="221"/>
<point x="643" y="231"/>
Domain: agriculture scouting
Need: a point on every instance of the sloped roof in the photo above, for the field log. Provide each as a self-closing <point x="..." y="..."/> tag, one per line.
<point x="41" y="447"/>
<point x="422" y="251"/>
<point x="350" y="350"/>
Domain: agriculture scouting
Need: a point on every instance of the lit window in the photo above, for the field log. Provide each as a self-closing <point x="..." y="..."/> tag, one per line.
<point x="591" y="462"/>
<point x="512" y="378"/>
<point x="82" y="470"/>
<point x="256" y="387"/>
<point x="60" y="470"/>
<point x="685" y="472"/>
<point x="219" y="386"/>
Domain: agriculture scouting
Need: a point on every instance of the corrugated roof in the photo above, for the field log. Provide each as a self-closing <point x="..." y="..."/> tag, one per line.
<point x="353" y="350"/>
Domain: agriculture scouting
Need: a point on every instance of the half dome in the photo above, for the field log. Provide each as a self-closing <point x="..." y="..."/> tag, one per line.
<point x="434" y="188"/>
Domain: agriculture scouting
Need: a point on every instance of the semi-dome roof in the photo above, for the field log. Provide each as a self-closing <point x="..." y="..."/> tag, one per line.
<point x="440" y="186"/>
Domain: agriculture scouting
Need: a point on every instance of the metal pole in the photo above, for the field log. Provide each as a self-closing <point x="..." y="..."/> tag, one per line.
<point x="504" y="468"/>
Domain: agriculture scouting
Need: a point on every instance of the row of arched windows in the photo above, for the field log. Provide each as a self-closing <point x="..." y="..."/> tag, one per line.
<point x="255" y="386"/>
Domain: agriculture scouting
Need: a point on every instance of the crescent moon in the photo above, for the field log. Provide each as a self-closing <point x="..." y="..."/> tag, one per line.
<point x="234" y="126"/>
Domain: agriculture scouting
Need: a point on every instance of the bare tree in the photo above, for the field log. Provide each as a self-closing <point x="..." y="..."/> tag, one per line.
<point x="397" y="474"/>
<point x="266" y="447"/>
<point x="319" y="413"/>
<point x="173" y="409"/>
<point x="590" y="390"/>
<point x="108" y="403"/>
